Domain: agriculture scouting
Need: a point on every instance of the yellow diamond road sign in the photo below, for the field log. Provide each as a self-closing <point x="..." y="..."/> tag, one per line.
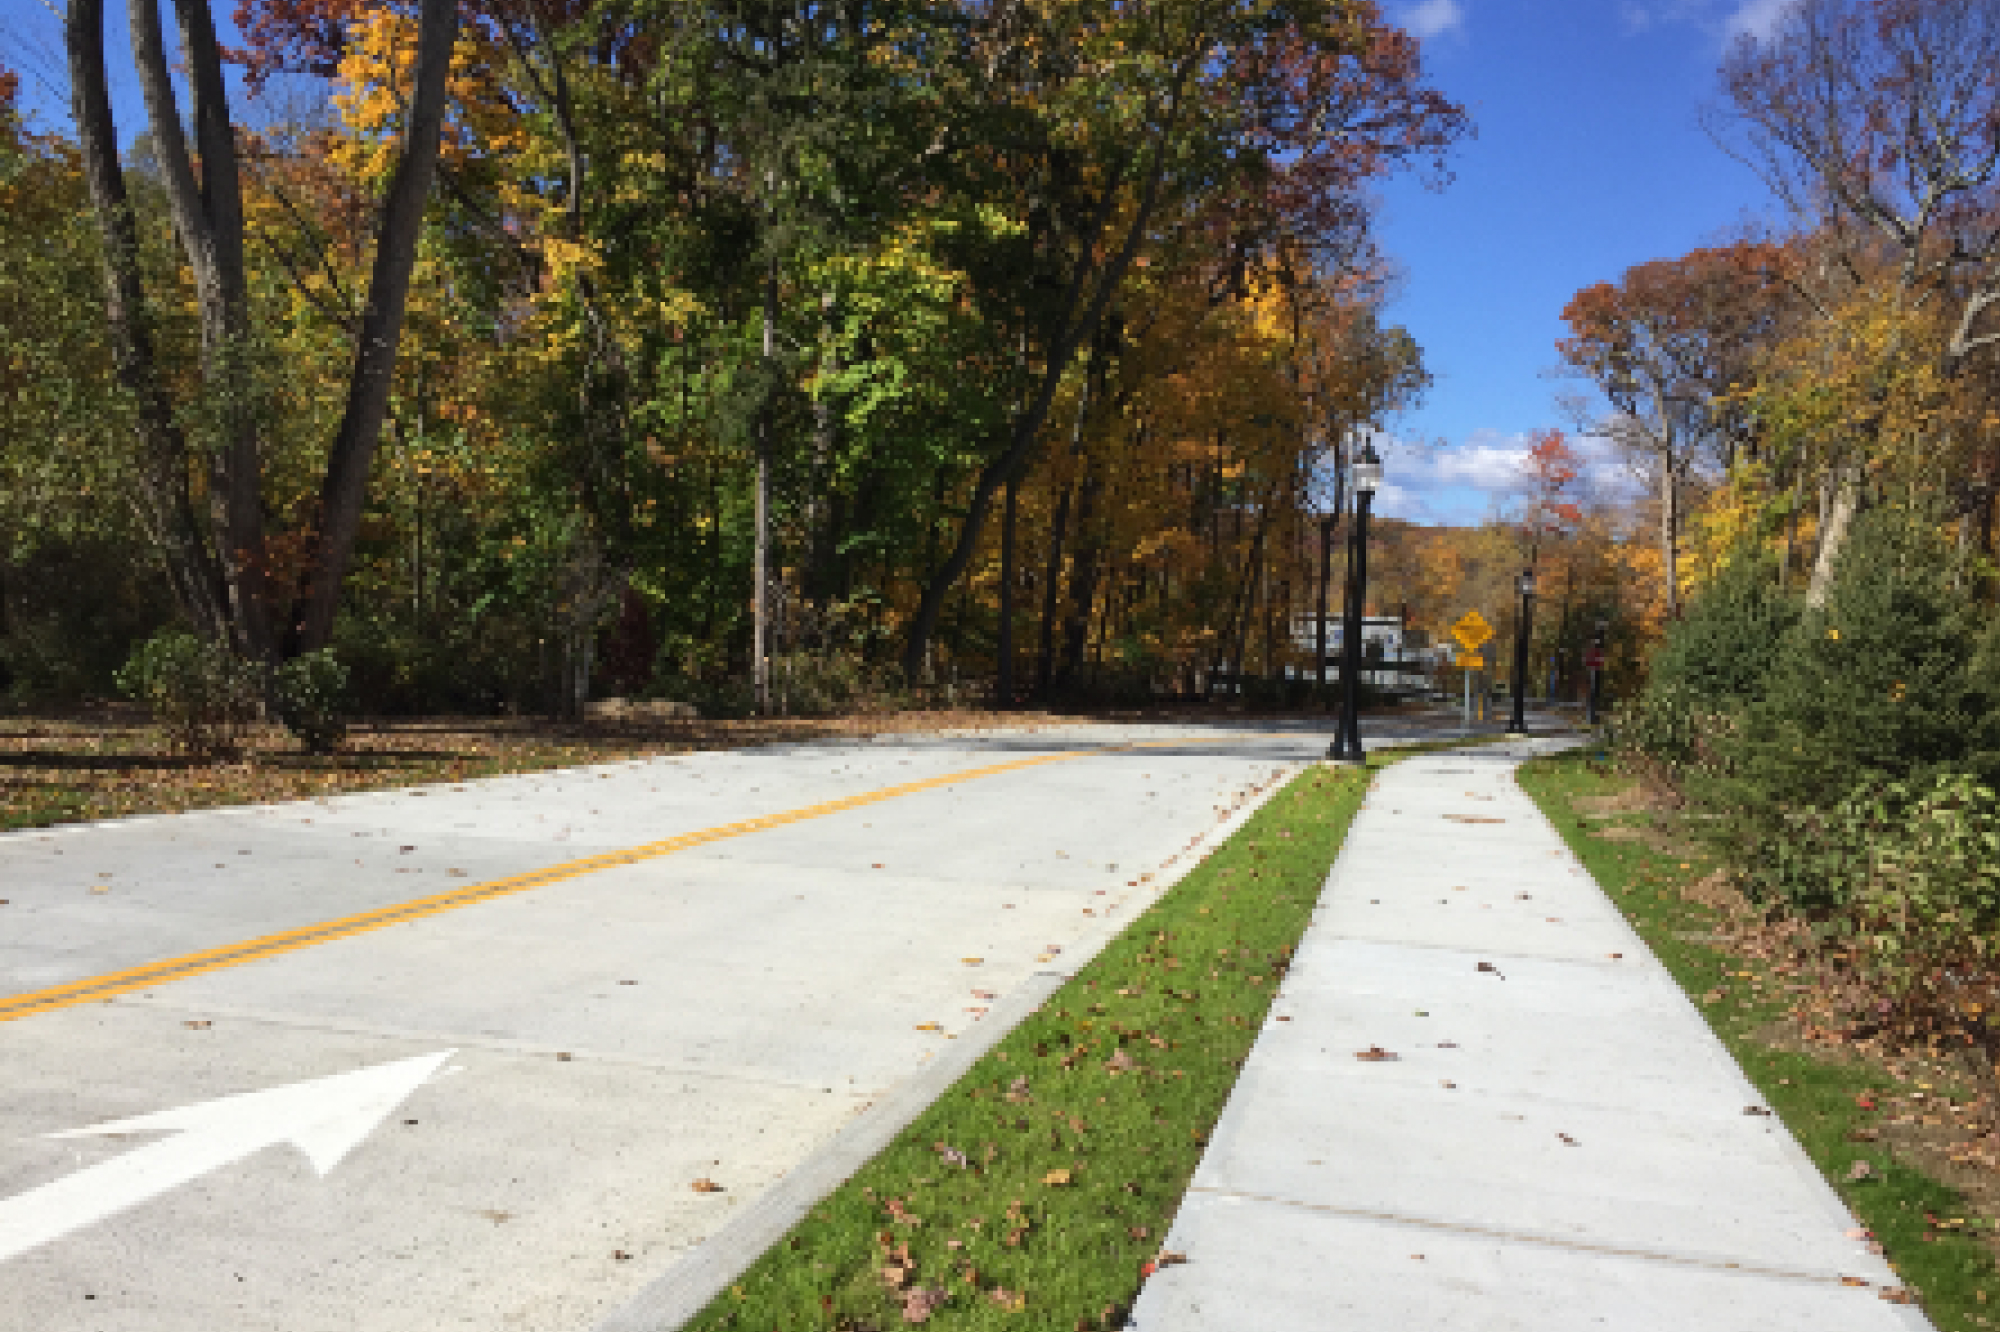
<point x="1472" y="631"/>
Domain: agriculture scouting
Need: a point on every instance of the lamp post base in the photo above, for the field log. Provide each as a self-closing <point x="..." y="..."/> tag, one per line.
<point x="1346" y="755"/>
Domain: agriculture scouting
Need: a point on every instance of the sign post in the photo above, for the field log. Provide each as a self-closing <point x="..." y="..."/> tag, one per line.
<point x="1472" y="632"/>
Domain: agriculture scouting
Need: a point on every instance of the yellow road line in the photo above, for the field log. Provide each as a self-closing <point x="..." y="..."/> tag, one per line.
<point x="115" y="983"/>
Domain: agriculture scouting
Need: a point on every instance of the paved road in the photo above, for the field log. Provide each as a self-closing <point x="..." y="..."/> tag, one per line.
<point x="1560" y="1144"/>
<point x="455" y="1056"/>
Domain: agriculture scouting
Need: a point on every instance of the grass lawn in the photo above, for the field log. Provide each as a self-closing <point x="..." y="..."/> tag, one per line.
<point x="1036" y="1190"/>
<point x="1883" y="1126"/>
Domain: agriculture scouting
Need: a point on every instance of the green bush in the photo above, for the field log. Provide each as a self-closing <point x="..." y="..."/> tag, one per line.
<point x="310" y="694"/>
<point x="1920" y="862"/>
<point x="200" y="692"/>
<point x="1712" y="663"/>
<point x="1724" y="646"/>
<point x="1880" y="686"/>
<point x="1882" y="681"/>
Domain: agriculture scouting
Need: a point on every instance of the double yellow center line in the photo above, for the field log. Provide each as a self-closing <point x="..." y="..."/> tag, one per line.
<point x="115" y="983"/>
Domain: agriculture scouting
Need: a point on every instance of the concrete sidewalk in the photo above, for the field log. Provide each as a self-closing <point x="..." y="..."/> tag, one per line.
<point x="1559" y="1143"/>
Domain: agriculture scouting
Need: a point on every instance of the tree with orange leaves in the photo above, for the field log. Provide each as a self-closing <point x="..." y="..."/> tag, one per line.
<point x="1670" y="346"/>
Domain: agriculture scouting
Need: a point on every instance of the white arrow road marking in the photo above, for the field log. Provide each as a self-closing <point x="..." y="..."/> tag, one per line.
<point x="326" y="1118"/>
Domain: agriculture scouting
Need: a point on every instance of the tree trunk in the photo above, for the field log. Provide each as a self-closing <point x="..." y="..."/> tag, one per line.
<point x="1670" y="534"/>
<point x="1082" y="579"/>
<point x="398" y="227"/>
<point x="1004" y="667"/>
<point x="164" y="506"/>
<point x="1843" y="505"/>
<point x="208" y="219"/>
<point x="760" y="576"/>
<point x="1045" y="661"/>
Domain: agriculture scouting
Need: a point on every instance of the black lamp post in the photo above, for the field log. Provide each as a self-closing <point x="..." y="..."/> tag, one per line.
<point x="1595" y="661"/>
<point x="1518" y="723"/>
<point x="1346" y="747"/>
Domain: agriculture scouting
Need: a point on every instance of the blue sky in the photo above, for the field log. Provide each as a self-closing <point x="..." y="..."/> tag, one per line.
<point x="1590" y="158"/>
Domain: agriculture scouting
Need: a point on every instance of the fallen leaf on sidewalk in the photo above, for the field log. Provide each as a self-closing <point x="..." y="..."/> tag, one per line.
<point x="972" y="961"/>
<point x="1569" y="1141"/>
<point x="1755" y="1110"/>
<point x="1471" y="818"/>
<point x="929" y="1026"/>
<point x="1897" y="1295"/>
<point x="198" y="1026"/>
<point x="1375" y="1054"/>
<point x="1488" y="966"/>
<point x="706" y="1185"/>
<point x="984" y="994"/>
<point x="1852" y="1281"/>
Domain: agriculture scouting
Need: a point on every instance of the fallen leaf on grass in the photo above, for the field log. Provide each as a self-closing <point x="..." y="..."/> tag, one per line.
<point x="921" y="1303"/>
<point x="952" y="1155"/>
<point x="1860" y="1170"/>
<point x="705" y="1185"/>
<point x="1120" y="1062"/>
<point x="1056" y="1178"/>
<point x="1375" y="1054"/>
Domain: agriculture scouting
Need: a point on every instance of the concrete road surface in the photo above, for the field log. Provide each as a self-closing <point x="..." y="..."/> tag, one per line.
<point x="457" y="1056"/>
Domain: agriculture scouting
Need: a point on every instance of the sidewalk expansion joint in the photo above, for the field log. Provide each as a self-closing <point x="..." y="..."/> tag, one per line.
<point x="1514" y="1236"/>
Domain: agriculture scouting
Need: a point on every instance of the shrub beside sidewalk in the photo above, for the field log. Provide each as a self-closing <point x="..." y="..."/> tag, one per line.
<point x="1035" y="1192"/>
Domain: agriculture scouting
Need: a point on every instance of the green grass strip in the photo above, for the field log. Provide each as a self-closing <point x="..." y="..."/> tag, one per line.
<point x="1033" y="1191"/>
<point x="1820" y="1097"/>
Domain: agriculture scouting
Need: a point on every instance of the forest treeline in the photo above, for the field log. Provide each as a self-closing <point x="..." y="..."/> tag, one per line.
<point x="1815" y="407"/>
<point x="509" y="351"/>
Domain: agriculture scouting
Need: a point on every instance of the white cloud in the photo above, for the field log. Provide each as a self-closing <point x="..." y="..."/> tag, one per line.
<point x="1434" y="18"/>
<point x="1756" y="19"/>
<point x="1482" y="476"/>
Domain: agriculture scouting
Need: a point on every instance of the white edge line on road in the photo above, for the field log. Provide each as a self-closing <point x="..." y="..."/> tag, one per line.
<point x="706" y="1270"/>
